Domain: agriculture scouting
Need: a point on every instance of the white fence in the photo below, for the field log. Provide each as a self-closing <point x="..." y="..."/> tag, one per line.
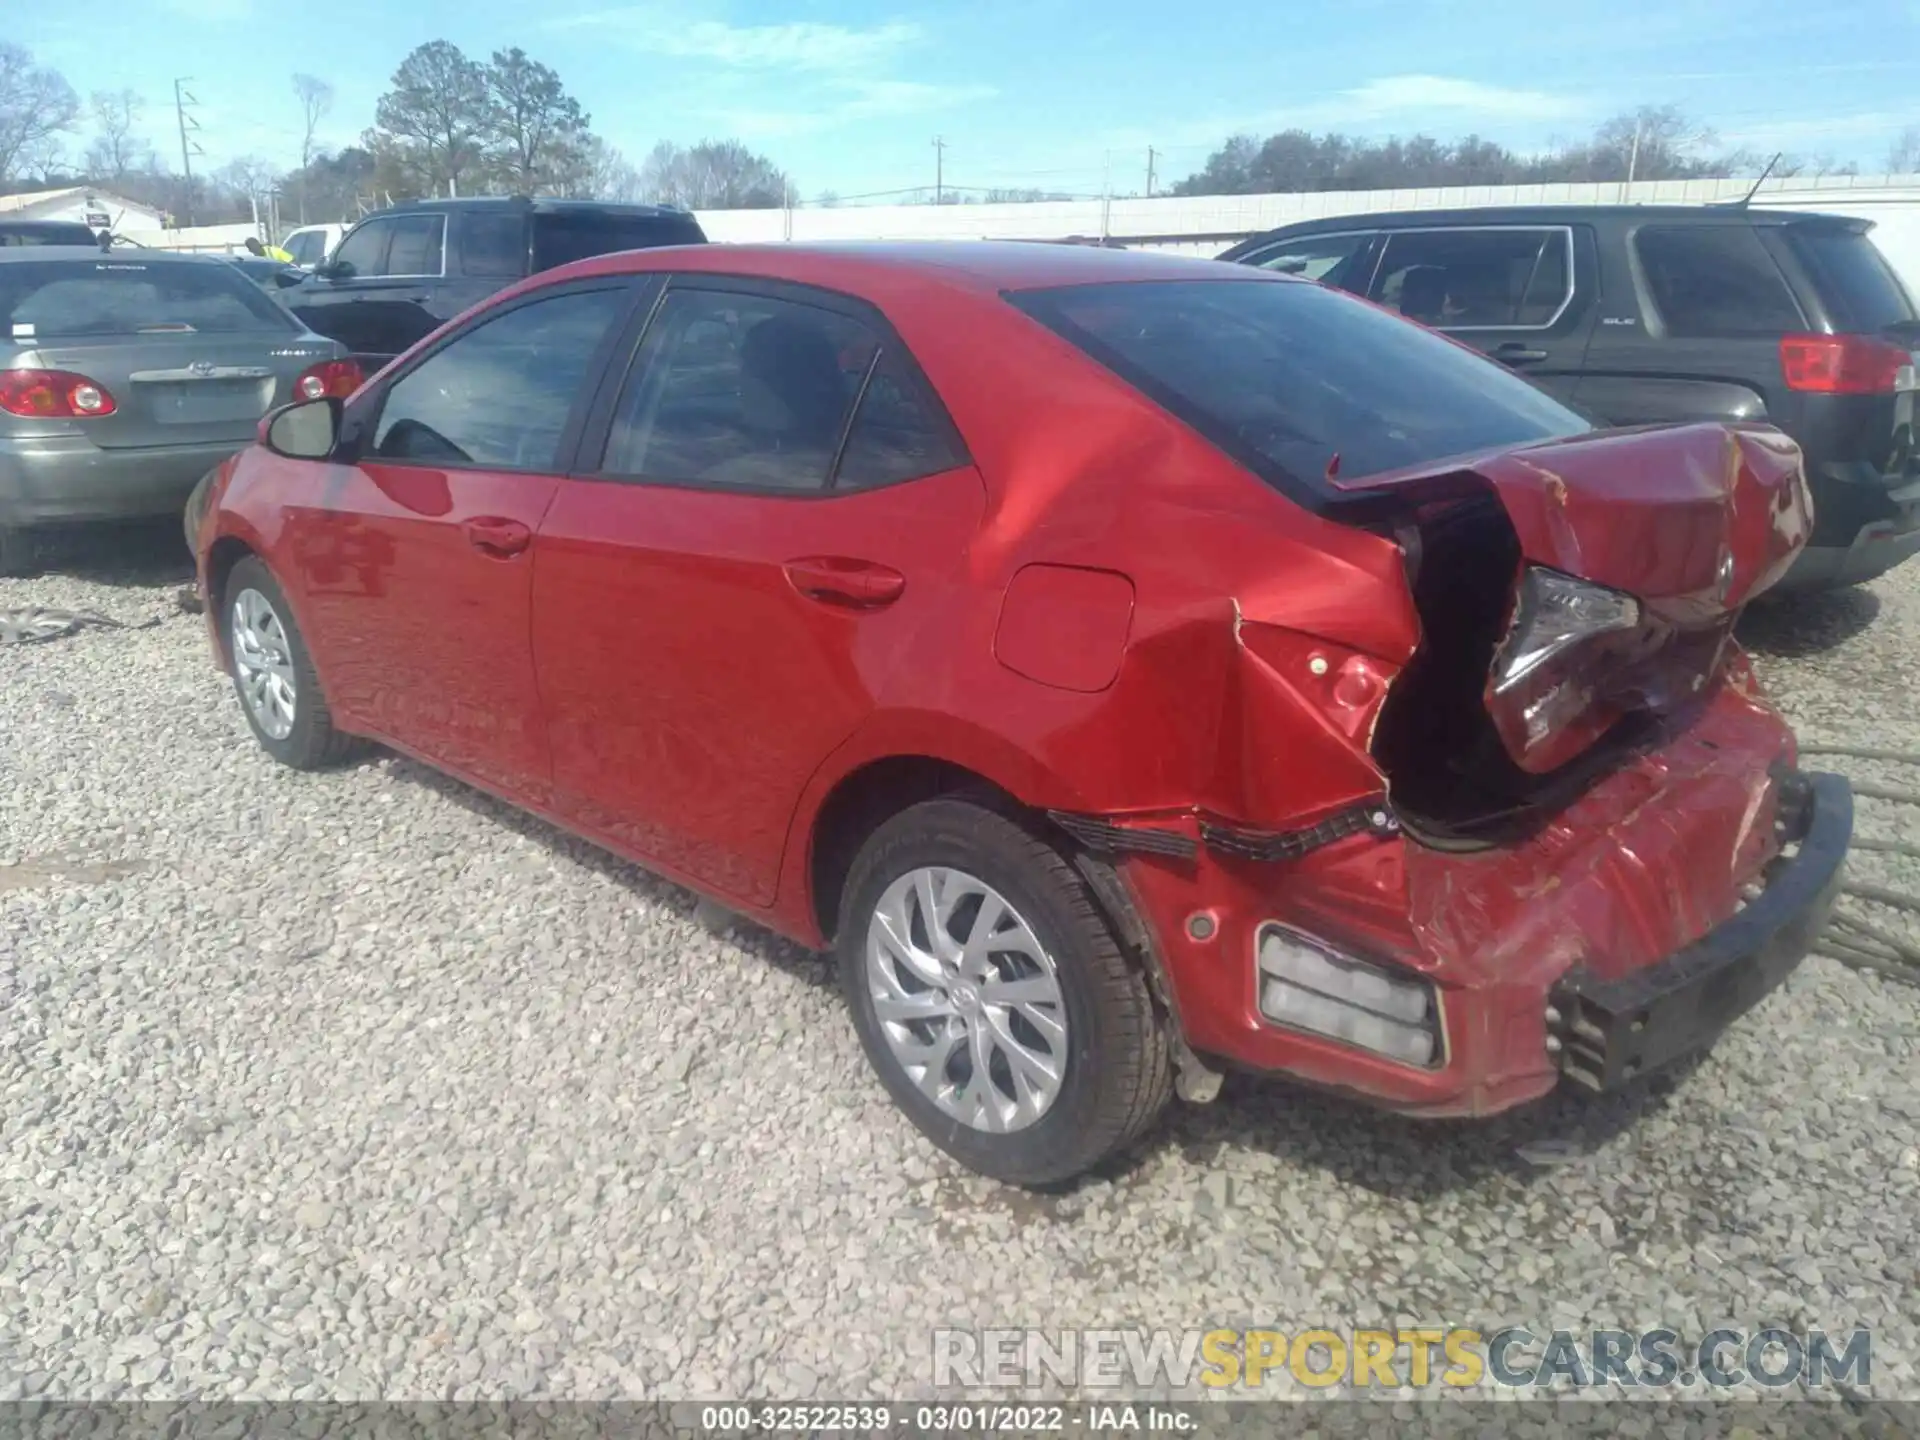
<point x="1205" y="225"/>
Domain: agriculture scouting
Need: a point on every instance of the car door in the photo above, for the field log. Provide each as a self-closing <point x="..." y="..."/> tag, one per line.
<point x="768" y="511"/>
<point x="415" y="565"/>
<point x="1521" y="294"/>
<point x="378" y="295"/>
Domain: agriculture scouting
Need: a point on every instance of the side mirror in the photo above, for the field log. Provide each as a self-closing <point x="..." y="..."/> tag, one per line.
<point x="333" y="270"/>
<point x="305" y="430"/>
<point x="287" y="279"/>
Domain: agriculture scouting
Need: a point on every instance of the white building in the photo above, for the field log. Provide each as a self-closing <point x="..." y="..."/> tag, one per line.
<point x="96" y="209"/>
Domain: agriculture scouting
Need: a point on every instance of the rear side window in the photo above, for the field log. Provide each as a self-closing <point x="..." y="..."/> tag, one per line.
<point x="563" y="236"/>
<point x="308" y="248"/>
<point x="494" y="246"/>
<point x="1715" y="282"/>
<point x="1299" y="382"/>
<point x="1477" y="279"/>
<point x="740" y="391"/>
<point x="112" y="297"/>
<point x="1855" y="281"/>
<point x="898" y="432"/>
<point x="500" y="395"/>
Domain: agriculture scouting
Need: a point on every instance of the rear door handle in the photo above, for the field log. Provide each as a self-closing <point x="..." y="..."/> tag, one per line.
<point x="839" y="580"/>
<point x="1515" y="353"/>
<point x="497" y="536"/>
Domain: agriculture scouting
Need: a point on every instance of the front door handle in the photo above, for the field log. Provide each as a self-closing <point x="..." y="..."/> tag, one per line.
<point x="497" y="536"/>
<point x="1515" y="353"/>
<point x="838" y="580"/>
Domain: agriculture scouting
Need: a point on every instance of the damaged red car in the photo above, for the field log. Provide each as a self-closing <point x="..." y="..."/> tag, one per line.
<point x="1133" y="667"/>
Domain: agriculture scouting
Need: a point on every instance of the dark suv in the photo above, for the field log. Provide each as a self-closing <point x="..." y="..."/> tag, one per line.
<point x="397" y="276"/>
<point x="1649" y="314"/>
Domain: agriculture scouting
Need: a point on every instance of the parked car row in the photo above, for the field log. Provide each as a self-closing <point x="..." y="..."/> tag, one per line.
<point x="1657" y="315"/>
<point x="1130" y="666"/>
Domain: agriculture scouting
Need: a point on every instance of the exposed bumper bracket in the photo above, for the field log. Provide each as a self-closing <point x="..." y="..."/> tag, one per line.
<point x="1610" y="1031"/>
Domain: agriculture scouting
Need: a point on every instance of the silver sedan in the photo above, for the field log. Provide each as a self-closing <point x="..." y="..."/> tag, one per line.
<point x="124" y="378"/>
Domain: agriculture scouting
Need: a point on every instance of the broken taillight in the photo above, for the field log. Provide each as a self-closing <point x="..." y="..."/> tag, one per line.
<point x="1553" y="614"/>
<point x="1560" y="678"/>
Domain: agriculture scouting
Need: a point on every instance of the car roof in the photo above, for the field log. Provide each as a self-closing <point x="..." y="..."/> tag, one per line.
<point x="524" y="202"/>
<point x="980" y="266"/>
<point x="1550" y="215"/>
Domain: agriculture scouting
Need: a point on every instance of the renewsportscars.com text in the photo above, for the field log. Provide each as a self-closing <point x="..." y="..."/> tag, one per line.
<point x="1455" y="1357"/>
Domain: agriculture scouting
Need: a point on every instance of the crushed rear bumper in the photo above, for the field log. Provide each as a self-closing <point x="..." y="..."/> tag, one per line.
<point x="1611" y="1031"/>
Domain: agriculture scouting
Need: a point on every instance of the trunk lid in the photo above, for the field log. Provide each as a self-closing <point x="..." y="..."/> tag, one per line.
<point x="1568" y="587"/>
<point x="184" y="388"/>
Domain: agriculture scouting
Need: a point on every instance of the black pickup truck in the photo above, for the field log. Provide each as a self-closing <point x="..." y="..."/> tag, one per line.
<point x="1649" y="314"/>
<point x="400" y="274"/>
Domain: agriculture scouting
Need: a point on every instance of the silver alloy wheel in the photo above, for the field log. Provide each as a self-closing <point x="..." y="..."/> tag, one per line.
<point x="263" y="663"/>
<point x="968" y="999"/>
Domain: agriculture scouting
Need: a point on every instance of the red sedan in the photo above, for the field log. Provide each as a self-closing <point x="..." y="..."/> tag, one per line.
<point x="1132" y="666"/>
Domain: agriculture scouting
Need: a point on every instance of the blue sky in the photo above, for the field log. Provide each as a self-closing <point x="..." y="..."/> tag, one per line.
<point x="849" y="94"/>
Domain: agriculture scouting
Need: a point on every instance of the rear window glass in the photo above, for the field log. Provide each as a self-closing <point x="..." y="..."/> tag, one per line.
<point x="568" y="235"/>
<point x="113" y="297"/>
<point x="1715" y="282"/>
<point x="1854" y="278"/>
<point x="1287" y="376"/>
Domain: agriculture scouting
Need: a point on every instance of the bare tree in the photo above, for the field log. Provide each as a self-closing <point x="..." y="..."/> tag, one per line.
<point x="115" y="150"/>
<point x="250" y="179"/>
<point x="316" y="99"/>
<point x="36" y="104"/>
<point x="1903" y="158"/>
<point x="714" y="175"/>
<point x="604" y="173"/>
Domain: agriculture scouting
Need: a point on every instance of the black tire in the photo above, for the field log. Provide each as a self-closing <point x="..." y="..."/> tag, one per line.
<point x="1119" y="1072"/>
<point x="18" y="554"/>
<point x="312" y="743"/>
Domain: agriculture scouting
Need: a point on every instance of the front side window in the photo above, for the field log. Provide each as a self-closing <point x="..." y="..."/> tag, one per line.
<point x="364" y="252"/>
<point x="133" y="297"/>
<point x="1715" y="282"/>
<point x="500" y="395"/>
<point x="739" y="390"/>
<point x="419" y="245"/>
<point x="1298" y="382"/>
<point x="1476" y="279"/>
<point x="1328" y="258"/>
<point x="305" y="249"/>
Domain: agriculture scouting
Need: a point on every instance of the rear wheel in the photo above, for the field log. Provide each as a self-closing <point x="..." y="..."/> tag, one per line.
<point x="993" y="999"/>
<point x="273" y="673"/>
<point x="17" y="551"/>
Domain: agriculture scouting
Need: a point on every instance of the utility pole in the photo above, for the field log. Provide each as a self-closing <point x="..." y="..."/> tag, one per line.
<point x="1106" y="197"/>
<point x="1150" y="158"/>
<point x="1633" y="155"/>
<point x="939" y="171"/>
<point x="182" y="100"/>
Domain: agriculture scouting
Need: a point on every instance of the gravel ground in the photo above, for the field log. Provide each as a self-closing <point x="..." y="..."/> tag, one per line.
<point x="360" y="1085"/>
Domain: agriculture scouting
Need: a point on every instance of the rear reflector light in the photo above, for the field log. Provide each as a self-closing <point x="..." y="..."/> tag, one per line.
<point x="53" y="395"/>
<point x="1842" y="364"/>
<point x="1306" y="985"/>
<point x="338" y="378"/>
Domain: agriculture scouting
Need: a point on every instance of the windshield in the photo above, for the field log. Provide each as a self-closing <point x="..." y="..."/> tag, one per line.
<point x="1855" y="281"/>
<point x="130" y="297"/>
<point x="560" y="237"/>
<point x="1297" y="381"/>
